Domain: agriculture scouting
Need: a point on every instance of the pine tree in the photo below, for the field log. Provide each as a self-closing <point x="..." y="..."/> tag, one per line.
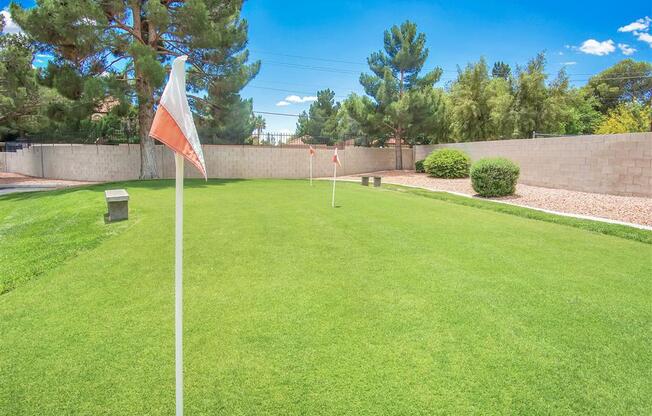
<point x="626" y="81"/>
<point x="320" y="122"/>
<point x="19" y="91"/>
<point x="230" y="123"/>
<point x="501" y="70"/>
<point x="395" y="77"/>
<point x="138" y="39"/>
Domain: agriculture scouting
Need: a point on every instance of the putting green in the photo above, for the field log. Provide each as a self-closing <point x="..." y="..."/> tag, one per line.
<point x="393" y="303"/>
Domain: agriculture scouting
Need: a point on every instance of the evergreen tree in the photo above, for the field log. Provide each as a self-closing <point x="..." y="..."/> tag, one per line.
<point x="501" y="70"/>
<point x="530" y="101"/>
<point x="626" y="81"/>
<point x="471" y="111"/>
<point x="24" y="103"/>
<point x="231" y="123"/>
<point x="19" y="90"/>
<point x="430" y="116"/>
<point x="501" y="108"/>
<point x="320" y="122"/>
<point x="393" y="86"/>
<point x="482" y="106"/>
<point x="581" y="112"/>
<point x="138" y="39"/>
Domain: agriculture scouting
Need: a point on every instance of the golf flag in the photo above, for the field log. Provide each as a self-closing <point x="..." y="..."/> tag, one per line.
<point x="336" y="159"/>
<point x="336" y="163"/>
<point x="173" y="126"/>
<point x="311" y="152"/>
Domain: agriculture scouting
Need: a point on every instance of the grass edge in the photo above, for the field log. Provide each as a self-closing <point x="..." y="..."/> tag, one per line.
<point x="615" y="230"/>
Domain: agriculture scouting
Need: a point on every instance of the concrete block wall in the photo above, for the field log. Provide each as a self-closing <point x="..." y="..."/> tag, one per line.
<point x="116" y="163"/>
<point x="76" y="162"/>
<point x="618" y="164"/>
<point x="25" y="162"/>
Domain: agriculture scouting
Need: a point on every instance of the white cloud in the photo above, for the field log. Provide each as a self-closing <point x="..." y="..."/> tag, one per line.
<point x="594" y="47"/>
<point x="645" y="37"/>
<point x="10" y="25"/>
<point x="626" y="49"/>
<point x="569" y="63"/>
<point x="282" y="103"/>
<point x="639" y="25"/>
<point x="297" y="99"/>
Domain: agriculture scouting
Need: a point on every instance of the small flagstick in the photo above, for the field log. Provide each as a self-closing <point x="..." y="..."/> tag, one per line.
<point x="311" y="169"/>
<point x="334" y="180"/>
<point x="178" y="280"/>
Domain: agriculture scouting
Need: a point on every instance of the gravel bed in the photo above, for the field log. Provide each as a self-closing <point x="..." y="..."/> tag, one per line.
<point x="636" y="210"/>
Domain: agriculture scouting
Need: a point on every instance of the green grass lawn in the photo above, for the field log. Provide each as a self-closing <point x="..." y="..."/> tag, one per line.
<point x="393" y="304"/>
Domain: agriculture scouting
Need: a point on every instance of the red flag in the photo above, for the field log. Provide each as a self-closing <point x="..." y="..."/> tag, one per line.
<point x="173" y="124"/>
<point x="336" y="159"/>
<point x="311" y="151"/>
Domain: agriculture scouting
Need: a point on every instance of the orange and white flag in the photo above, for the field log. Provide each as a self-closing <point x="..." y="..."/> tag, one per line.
<point x="311" y="151"/>
<point x="336" y="159"/>
<point x="173" y="124"/>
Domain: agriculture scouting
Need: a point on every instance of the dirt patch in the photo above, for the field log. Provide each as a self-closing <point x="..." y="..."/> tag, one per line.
<point x="14" y="182"/>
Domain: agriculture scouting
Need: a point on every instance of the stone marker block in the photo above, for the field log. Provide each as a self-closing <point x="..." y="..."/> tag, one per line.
<point x="377" y="181"/>
<point x="117" y="201"/>
<point x="365" y="180"/>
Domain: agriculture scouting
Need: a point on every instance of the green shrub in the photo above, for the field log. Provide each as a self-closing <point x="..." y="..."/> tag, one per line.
<point x="418" y="166"/>
<point x="494" y="176"/>
<point x="447" y="163"/>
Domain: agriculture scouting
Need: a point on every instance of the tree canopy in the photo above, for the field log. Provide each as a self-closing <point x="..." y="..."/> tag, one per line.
<point x="626" y="81"/>
<point x="397" y="98"/>
<point x="135" y="41"/>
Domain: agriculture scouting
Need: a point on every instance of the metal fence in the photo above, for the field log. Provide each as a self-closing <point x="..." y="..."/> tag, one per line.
<point x="276" y="139"/>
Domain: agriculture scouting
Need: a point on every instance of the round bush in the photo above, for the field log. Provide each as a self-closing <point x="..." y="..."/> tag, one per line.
<point x="418" y="166"/>
<point x="494" y="176"/>
<point x="447" y="163"/>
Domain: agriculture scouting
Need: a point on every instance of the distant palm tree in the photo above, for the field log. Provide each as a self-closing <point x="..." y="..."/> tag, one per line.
<point x="259" y="125"/>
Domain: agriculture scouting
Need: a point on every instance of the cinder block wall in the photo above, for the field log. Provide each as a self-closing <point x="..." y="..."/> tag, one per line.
<point x="619" y="164"/>
<point x="116" y="163"/>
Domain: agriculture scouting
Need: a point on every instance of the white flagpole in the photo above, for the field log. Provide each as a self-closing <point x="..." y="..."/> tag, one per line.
<point x="334" y="179"/>
<point x="178" y="283"/>
<point x="311" y="156"/>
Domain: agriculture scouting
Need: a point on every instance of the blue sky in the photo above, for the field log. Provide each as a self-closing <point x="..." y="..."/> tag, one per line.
<point x="309" y="45"/>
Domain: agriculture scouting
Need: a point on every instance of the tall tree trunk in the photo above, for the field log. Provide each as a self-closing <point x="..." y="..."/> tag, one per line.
<point x="145" y="92"/>
<point x="145" y="117"/>
<point x="398" y="142"/>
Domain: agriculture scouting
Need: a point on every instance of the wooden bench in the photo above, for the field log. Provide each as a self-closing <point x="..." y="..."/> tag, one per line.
<point x="117" y="201"/>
